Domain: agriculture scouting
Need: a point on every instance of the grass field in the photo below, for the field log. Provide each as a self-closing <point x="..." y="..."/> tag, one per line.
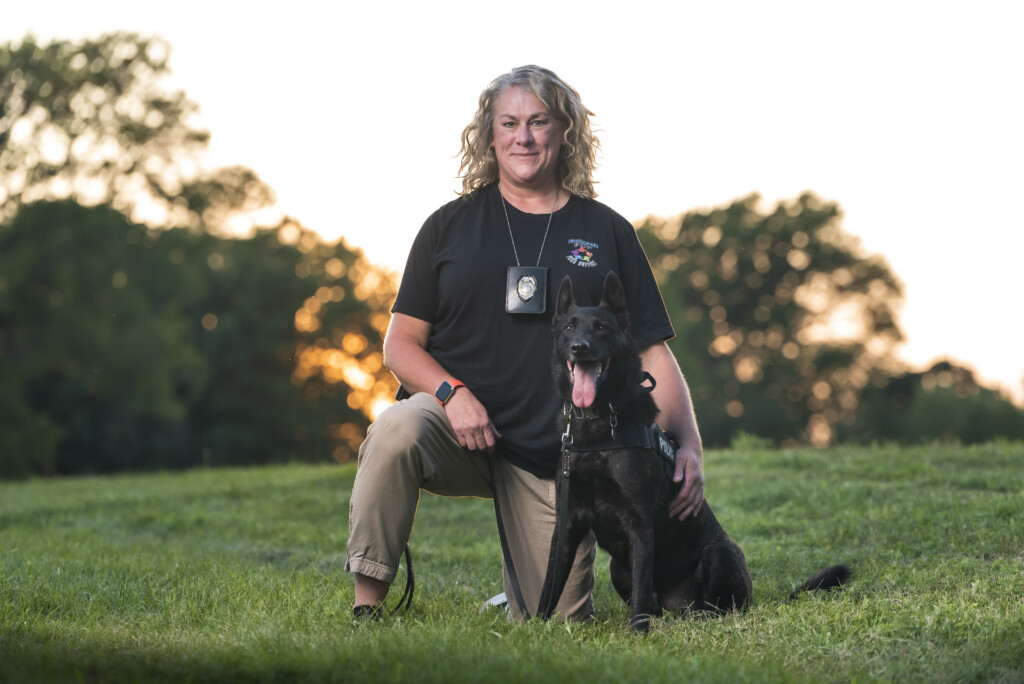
<point x="238" y="575"/>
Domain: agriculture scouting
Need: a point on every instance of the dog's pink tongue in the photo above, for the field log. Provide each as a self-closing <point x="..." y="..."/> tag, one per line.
<point x="584" y="385"/>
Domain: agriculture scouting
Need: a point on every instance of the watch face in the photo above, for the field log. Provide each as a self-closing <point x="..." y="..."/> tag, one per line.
<point x="443" y="392"/>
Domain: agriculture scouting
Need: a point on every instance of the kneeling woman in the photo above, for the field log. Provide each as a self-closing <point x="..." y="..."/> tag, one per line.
<point x="470" y="341"/>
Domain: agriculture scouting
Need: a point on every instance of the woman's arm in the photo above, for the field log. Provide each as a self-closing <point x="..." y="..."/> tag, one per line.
<point x="677" y="417"/>
<point x="405" y="355"/>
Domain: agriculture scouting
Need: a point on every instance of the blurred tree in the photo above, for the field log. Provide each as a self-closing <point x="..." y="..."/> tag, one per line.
<point x="943" y="403"/>
<point x="341" y="328"/>
<point x="28" y="440"/>
<point x="780" y="317"/>
<point x="92" y="121"/>
<point x="122" y="347"/>
<point x="90" y="358"/>
<point x="287" y="381"/>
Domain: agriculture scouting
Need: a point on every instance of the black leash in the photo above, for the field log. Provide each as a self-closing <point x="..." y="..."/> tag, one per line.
<point x="554" y="572"/>
<point x="410" y="584"/>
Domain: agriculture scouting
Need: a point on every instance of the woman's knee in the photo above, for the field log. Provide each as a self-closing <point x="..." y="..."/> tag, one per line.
<point x="398" y="439"/>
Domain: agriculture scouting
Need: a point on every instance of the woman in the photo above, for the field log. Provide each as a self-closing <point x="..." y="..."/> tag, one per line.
<point x="470" y="340"/>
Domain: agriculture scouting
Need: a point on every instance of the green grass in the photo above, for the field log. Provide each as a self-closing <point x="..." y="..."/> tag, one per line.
<point x="238" y="575"/>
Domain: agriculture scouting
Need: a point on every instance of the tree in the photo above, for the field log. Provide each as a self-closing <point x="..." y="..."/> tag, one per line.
<point x="160" y="341"/>
<point x="780" y="318"/>
<point x="97" y="368"/>
<point x="123" y="347"/>
<point x="341" y="326"/>
<point x="944" y="402"/>
<point x="91" y="121"/>
<point x="292" y="330"/>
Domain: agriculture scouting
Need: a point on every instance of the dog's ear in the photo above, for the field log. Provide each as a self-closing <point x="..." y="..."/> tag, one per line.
<point x="614" y="298"/>
<point x="565" y="300"/>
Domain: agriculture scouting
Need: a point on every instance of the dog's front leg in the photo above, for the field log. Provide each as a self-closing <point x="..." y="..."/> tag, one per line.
<point x="641" y="556"/>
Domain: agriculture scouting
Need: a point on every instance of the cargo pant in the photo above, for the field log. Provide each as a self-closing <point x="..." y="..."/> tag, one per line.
<point x="411" y="446"/>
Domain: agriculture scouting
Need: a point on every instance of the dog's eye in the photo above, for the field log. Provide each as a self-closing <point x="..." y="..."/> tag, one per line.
<point x="600" y="327"/>
<point x="568" y="327"/>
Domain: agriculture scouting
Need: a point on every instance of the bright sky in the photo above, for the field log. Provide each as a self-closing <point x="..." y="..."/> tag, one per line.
<point x="908" y="114"/>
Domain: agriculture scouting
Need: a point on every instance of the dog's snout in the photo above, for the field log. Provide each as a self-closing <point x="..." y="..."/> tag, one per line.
<point x="579" y="347"/>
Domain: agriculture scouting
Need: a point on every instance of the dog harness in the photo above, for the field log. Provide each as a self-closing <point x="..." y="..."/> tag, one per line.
<point x="631" y="435"/>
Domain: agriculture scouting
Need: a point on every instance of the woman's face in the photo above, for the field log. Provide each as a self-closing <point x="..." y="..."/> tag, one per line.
<point x="526" y="140"/>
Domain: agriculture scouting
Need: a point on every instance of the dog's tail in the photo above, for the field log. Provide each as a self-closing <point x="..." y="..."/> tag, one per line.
<point x="830" y="578"/>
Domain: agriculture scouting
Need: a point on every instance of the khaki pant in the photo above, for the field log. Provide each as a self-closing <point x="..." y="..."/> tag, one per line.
<point x="410" y="447"/>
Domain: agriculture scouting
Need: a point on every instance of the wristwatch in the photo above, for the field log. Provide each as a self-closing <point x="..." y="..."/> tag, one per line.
<point x="446" y="390"/>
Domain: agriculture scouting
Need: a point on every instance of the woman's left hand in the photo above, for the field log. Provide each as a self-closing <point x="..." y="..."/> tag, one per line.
<point x="673" y="397"/>
<point x="689" y="471"/>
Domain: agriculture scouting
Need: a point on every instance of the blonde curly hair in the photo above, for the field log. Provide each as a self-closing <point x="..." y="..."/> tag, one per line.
<point x="578" y="157"/>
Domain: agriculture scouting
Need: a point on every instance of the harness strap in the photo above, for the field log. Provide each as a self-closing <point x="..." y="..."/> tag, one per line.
<point x="633" y="435"/>
<point x="635" y="391"/>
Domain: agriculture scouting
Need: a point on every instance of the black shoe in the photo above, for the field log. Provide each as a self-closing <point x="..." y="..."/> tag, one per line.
<point x="367" y="612"/>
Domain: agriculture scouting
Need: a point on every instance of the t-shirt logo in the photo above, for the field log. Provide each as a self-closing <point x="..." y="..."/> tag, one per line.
<point x="582" y="253"/>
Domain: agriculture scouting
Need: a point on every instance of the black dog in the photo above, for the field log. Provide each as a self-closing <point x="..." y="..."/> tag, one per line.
<point x="615" y="478"/>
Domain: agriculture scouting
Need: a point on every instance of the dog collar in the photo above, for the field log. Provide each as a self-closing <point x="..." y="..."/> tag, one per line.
<point x="570" y="410"/>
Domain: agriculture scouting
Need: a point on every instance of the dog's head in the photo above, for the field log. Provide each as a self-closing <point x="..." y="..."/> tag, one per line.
<point x="592" y="346"/>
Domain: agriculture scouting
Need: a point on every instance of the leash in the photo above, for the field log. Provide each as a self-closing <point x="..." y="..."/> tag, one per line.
<point x="554" y="572"/>
<point x="410" y="584"/>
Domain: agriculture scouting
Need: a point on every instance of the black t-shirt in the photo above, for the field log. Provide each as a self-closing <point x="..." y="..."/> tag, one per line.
<point x="455" y="280"/>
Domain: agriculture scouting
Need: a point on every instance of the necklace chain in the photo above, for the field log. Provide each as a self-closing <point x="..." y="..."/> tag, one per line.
<point x="509" y="224"/>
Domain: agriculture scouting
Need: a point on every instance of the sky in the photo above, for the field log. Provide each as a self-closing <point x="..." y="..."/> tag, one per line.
<point x="907" y="114"/>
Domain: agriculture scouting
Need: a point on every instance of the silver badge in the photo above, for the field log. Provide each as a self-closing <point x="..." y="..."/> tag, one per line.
<point x="527" y="287"/>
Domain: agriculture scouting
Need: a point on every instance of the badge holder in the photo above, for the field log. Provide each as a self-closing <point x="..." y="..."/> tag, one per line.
<point x="526" y="290"/>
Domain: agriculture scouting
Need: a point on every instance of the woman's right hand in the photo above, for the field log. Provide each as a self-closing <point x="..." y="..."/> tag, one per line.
<point x="406" y="356"/>
<point x="469" y="420"/>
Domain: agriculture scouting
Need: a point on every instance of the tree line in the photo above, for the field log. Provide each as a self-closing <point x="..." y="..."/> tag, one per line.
<point x="136" y="332"/>
<point x="787" y="331"/>
<point x="127" y="348"/>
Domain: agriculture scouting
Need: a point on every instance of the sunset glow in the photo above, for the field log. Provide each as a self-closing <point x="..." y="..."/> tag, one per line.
<point x="905" y="114"/>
